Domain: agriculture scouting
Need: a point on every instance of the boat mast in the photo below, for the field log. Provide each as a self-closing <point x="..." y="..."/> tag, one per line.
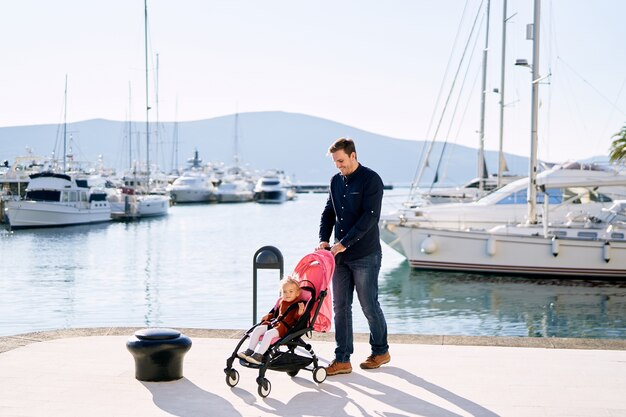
<point x="532" y="171"/>
<point x="130" y="130"/>
<point x="501" y="161"/>
<point x="481" y="151"/>
<point x="65" y="128"/>
<point x="145" y="2"/>
<point x="236" y="139"/>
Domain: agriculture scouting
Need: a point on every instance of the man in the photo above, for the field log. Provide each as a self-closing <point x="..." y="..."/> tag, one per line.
<point x="353" y="210"/>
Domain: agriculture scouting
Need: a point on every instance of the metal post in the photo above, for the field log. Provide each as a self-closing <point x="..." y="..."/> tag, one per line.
<point x="267" y="257"/>
<point x="532" y="178"/>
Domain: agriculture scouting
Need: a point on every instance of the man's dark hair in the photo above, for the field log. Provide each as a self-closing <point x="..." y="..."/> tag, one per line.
<point x="345" y="144"/>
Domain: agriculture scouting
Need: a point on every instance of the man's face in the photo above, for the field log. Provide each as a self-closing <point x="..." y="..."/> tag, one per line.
<point x="346" y="164"/>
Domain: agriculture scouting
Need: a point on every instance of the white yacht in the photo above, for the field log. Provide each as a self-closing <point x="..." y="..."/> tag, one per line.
<point x="195" y="185"/>
<point x="236" y="186"/>
<point x="58" y="200"/>
<point x="192" y="187"/>
<point x="274" y="187"/>
<point x="234" y="191"/>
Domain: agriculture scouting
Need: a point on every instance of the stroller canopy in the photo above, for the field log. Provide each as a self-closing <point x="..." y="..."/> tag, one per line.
<point x="317" y="269"/>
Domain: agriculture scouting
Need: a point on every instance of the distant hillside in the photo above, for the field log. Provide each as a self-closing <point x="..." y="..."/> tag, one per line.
<point x="296" y="143"/>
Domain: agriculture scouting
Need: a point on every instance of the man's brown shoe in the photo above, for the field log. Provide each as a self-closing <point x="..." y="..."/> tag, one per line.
<point x="336" y="368"/>
<point x="374" y="361"/>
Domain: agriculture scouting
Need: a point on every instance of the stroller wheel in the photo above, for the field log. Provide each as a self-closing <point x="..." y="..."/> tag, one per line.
<point x="232" y="378"/>
<point x="319" y="374"/>
<point x="264" y="388"/>
<point x="292" y="373"/>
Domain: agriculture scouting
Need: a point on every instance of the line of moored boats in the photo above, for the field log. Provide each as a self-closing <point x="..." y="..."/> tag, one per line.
<point x="35" y="194"/>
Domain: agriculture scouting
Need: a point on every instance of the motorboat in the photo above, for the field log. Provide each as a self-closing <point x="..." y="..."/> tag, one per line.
<point x="54" y="199"/>
<point x="235" y="186"/>
<point x="197" y="184"/>
<point x="192" y="187"/>
<point x="274" y="188"/>
<point x="234" y="191"/>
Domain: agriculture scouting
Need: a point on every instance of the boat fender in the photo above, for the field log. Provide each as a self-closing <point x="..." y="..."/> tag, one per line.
<point x="606" y="252"/>
<point x="428" y="246"/>
<point x="555" y="246"/>
<point x="491" y="246"/>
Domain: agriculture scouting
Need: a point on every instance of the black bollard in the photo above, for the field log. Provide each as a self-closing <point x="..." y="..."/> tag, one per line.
<point x="158" y="354"/>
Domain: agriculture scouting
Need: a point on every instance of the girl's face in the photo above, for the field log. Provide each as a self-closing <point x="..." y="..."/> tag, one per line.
<point x="290" y="292"/>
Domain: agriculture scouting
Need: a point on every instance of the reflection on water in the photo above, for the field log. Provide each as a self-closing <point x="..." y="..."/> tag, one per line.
<point x="453" y="303"/>
<point x="190" y="268"/>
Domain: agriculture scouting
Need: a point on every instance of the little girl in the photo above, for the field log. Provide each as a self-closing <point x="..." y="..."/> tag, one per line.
<point x="275" y="323"/>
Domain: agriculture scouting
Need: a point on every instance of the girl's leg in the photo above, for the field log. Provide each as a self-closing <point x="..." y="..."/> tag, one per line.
<point x="267" y="340"/>
<point x="256" y="335"/>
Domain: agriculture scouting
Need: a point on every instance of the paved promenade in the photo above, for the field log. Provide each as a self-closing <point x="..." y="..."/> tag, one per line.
<point x="89" y="372"/>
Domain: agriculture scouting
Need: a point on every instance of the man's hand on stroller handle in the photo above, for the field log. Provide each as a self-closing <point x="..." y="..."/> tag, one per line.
<point x="323" y="245"/>
<point x="335" y="249"/>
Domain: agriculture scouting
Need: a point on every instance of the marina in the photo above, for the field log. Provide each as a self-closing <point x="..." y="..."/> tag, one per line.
<point x="187" y="269"/>
<point x="503" y="277"/>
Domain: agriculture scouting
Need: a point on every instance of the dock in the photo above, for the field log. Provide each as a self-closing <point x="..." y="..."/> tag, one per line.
<point x="77" y="372"/>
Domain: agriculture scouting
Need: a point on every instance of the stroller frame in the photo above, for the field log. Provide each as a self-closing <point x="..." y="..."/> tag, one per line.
<point x="281" y="355"/>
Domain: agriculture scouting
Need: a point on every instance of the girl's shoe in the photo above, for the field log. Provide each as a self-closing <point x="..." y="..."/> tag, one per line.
<point x="245" y="355"/>
<point x="256" y="358"/>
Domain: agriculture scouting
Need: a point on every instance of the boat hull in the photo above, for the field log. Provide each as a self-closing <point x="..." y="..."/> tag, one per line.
<point x="180" y="195"/>
<point x="34" y="214"/>
<point x="270" y="196"/>
<point x="485" y="252"/>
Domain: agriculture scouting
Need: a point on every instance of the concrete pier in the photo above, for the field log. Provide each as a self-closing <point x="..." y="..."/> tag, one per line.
<point x="81" y="372"/>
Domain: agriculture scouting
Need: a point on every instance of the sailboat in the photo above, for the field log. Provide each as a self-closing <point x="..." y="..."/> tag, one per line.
<point x="137" y="198"/>
<point x="483" y="183"/>
<point x="237" y="185"/>
<point x="589" y="246"/>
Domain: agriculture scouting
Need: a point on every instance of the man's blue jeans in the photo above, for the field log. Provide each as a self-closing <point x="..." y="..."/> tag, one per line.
<point x="361" y="274"/>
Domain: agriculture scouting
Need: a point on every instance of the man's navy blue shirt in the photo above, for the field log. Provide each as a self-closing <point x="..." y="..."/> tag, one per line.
<point x="353" y="209"/>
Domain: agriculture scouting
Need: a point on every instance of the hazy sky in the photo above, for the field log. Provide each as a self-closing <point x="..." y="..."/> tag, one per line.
<point x="376" y="65"/>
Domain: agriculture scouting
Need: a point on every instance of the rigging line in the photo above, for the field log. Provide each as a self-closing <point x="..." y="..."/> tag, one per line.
<point x="54" y="161"/>
<point x="610" y="115"/>
<point x="423" y="167"/>
<point x="466" y="107"/>
<point x="458" y="132"/>
<point x="448" y="65"/>
<point x="415" y="183"/>
<point x="613" y="104"/>
<point x="458" y="101"/>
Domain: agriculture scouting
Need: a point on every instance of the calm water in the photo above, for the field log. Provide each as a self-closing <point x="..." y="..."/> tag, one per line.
<point x="193" y="268"/>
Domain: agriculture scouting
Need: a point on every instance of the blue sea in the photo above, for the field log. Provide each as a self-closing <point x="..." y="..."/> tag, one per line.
<point x="194" y="268"/>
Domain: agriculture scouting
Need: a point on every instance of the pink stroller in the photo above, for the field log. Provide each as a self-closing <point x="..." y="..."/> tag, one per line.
<point x="313" y="272"/>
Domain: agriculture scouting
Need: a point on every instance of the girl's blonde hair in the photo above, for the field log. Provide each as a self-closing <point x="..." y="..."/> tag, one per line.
<point x="289" y="280"/>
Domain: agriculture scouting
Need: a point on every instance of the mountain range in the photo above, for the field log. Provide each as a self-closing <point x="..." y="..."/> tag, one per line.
<point x="294" y="143"/>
